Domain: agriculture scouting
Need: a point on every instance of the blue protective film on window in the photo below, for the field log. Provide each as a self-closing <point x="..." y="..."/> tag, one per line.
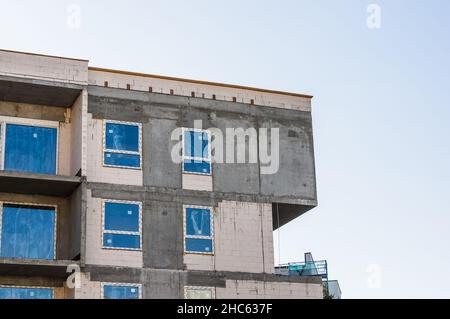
<point x="121" y="216"/>
<point x="196" y="167"/>
<point x="196" y="144"/>
<point x="25" y="293"/>
<point x="199" y="245"/>
<point x="30" y="149"/>
<point x="120" y="292"/>
<point x="28" y="232"/>
<point x="121" y="241"/>
<point x="122" y="137"/>
<point x="198" y="222"/>
<point x="125" y="160"/>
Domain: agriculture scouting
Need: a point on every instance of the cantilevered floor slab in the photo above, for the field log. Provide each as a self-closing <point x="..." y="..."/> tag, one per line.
<point x="56" y="269"/>
<point x="40" y="92"/>
<point x="39" y="184"/>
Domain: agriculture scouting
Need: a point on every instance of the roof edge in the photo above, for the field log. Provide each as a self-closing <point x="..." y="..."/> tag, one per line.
<point x="43" y="55"/>
<point x="171" y="78"/>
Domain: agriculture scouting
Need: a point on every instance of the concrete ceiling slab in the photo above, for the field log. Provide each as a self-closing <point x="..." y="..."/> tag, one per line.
<point x="38" y="92"/>
<point x="51" y="185"/>
<point x="283" y="213"/>
<point x="56" y="269"/>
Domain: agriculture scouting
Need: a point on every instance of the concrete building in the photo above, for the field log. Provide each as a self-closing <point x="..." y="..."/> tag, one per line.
<point x="88" y="185"/>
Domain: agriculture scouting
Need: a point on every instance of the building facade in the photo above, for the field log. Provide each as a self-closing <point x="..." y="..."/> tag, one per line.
<point x="110" y="185"/>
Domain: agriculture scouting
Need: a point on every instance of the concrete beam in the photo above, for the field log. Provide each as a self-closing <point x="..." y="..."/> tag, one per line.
<point x="31" y="281"/>
<point x="39" y="184"/>
<point x="35" y="268"/>
<point x="193" y="277"/>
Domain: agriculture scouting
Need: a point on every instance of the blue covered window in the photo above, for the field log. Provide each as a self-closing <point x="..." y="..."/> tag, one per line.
<point x="30" y="149"/>
<point x="121" y="291"/>
<point x="122" y="145"/>
<point x="122" y="228"/>
<point x="196" y="152"/>
<point x="25" y="293"/>
<point x="198" y="230"/>
<point x="27" y="231"/>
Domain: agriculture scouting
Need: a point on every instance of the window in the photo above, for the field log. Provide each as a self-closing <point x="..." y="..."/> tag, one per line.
<point x="25" y="293"/>
<point x="122" y="145"/>
<point x="27" y="231"/>
<point x="122" y="226"/>
<point x="29" y="148"/>
<point x="196" y="152"/>
<point x="121" y="291"/>
<point x="198" y="230"/>
<point x="192" y="292"/>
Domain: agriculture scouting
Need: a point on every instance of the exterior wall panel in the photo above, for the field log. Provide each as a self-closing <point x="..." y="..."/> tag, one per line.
<point x="240" y="289"/>
<point x="43" y="67"/>
<point x="94" y="253"/>
<point x="243" y="240"/>
<point x="96" y="172"/>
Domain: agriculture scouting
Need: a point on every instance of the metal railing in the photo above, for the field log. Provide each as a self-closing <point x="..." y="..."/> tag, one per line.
<point x="309" y="268"/>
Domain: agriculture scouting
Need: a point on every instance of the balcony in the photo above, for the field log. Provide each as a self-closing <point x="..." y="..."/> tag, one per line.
<point x="42" y="184"/>
<point x="310" y="267"/>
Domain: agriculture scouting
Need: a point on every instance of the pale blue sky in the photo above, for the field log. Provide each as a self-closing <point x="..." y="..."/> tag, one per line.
<point x="381" y="109"/>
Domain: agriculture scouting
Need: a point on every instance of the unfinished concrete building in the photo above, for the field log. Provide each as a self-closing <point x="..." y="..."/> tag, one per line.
<point x="92" y="204"/>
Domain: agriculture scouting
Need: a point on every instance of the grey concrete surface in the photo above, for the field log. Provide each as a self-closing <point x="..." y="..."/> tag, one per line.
<point x="160" y="113"/>
<point x="41" y="92"/>
<point x="41" y="184"/>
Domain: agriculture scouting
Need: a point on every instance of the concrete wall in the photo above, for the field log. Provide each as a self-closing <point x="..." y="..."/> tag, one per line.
<point x="296" y="175"/>
<point x="197" y="182"/>
<point x="32" y="111"/>
<point x="158" y="284"/>
<point x="96" y="172"/>
<point x="43" y="67"/>
<point x="88" y="289"/>
<point x="94" y="253"/>
<point x="160" y="114"/>
<point x="74" y="223"/>
<point x="243" y="240"/>
<point x="78" y="118"/>
<point x="240" y="289"/>
<point x="235" y="223"/>
<point x="185" y="88"/>
<point x="163" y="238"/>
<point x="64" y="149"/>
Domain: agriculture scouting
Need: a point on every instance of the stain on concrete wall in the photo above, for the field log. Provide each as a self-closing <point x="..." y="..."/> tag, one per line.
<point x="163" y="246"/>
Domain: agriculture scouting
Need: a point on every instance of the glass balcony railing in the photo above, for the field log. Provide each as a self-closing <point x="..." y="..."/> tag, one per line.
<point x="310" y="267"/>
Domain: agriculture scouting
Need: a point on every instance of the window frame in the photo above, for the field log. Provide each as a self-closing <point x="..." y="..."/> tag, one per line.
<point x="186" y="157"/>
<point x="118" y="284"/>
<point x="121" y="232"/>
<point x="5" y="120"/>
<point x="211" y="237"/>
<point x="107" y="150"/>
<point x="55" y="230"/>
<point x="32" y="287"/>
<point x="187" y="288"/>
